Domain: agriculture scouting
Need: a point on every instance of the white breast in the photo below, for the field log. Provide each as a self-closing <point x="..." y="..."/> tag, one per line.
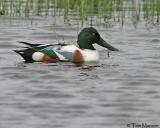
<point x="90" y="55"/>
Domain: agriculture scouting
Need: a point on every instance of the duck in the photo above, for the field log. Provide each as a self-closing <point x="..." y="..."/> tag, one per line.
<point x="84" y="52"/>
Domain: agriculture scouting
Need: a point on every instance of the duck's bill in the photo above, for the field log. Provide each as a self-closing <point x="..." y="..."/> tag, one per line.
<point x="103" y="43"/>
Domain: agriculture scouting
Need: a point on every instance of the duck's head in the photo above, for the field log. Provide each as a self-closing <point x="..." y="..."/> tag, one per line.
<point x="88" y="36"/>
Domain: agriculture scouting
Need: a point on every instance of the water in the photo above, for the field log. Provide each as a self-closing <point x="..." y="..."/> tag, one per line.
<point x="122" y="89"/>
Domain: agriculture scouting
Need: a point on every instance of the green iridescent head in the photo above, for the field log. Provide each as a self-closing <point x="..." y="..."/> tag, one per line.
<point x="88" y="36"/>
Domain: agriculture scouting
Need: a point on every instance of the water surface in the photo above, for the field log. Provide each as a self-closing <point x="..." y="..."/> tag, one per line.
<point x="123" y="88"/>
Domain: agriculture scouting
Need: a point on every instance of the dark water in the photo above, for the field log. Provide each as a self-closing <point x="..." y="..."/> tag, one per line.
<point x="122" y="89"/>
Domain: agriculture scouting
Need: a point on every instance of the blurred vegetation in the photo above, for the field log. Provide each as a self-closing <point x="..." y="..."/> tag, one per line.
<point x="93" y="11"/>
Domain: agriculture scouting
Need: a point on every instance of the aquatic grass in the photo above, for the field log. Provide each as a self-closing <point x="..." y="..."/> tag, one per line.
<point x="151" y="9"/>
<point x="91" y="11"/>
<point x="136" y="13"/>
<point x="3" y="8"/>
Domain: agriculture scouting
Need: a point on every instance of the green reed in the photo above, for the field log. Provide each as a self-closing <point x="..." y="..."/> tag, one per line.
<point x="151" y="10"/>
<point x="91" y="11"/>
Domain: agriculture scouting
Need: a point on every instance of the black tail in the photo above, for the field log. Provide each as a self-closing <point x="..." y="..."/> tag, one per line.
<point x="26" y="57"/>
<point x="28" y="44"/>
<point x="17" y="51"/>
<point x="29" y="50"/>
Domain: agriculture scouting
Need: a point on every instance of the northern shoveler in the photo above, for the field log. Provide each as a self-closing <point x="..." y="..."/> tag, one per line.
<point x="50" y="53"/>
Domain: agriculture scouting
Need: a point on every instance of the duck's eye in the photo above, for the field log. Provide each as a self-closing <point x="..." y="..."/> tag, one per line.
<point x="93" y="34"/>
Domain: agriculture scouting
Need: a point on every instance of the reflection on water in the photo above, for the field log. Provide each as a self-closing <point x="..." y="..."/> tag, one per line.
<point x="122" y="89"/>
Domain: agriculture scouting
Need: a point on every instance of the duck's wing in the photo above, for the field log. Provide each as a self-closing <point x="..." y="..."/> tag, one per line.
<point x="60" y="52"/>
<point x="63" y="53"/>
<point x="68" y="53"/>
<point x="30" y="49"/>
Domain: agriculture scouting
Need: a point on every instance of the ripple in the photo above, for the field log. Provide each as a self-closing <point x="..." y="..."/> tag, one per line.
<point x="52" y="95"/>
<point x="151" y="92"/>
<point x="35" y="81"/>
<point x="79" y="106"/>
<point x="7" y="46"/>
<point x="156" y="97"/>
<point x="155" y="40"/>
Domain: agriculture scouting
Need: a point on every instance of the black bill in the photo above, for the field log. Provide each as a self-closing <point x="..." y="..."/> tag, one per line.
<point x="103" y="43"/>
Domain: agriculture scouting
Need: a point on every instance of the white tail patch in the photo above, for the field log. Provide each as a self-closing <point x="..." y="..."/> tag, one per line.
<point x="38" y="56"/>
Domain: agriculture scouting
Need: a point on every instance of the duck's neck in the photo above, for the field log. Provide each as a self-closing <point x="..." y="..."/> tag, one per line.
<point x="86" y="45"/>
